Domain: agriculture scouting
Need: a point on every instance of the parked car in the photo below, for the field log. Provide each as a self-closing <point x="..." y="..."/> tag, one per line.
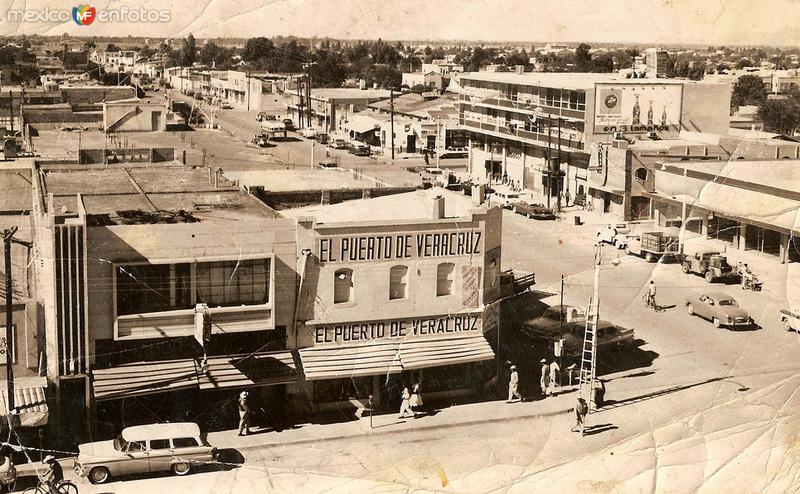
<point x="360" y="150"/>
<point x="569" y="323"/>
<point x="328" y="163"/>
<point x="611" y="233"/>
<point x="790" y="319"/>
<point x="264" y="116"/>
<point x="226" y="106"/>
<point x="260" y="140"/>
<point x="720" y="309"/>
<point x="144" y="449"/>
<point x="288" y="123"/>
<point x="339" y="144"/>
<point x="8" y="473"/>
<point x="712" y="265"/>
<point x="505" y="199"/>
<point x="534" y="210"/>
<point x="322" y="138"/>
<point x="309" y="132"/>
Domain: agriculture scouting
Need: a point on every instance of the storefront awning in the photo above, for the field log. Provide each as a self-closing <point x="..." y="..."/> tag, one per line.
<point x="143" y="378"/>
<point x="223" y="372"/>
<point x="29" y="400"/>
<point x="240" y="371"/>
<point x="437" y="352"/>
<point x="368" y="359"/>
<point x="392" y="357"/>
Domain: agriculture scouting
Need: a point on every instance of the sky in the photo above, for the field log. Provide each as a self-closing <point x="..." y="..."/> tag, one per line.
<point x="670" y="22"/>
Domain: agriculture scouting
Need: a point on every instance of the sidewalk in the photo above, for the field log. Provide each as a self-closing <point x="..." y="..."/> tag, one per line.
<point x="385" y="424"/>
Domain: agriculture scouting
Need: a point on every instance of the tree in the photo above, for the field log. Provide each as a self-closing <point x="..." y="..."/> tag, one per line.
<point x="209" y="53"/>
<point x="258" y="49"/>
<point x="583" y="58"/>
<point x="188" y="53"/>
<point x="743" y="62"/>
<point x="780" y="115"/>
<point x="748" y="90"/>
<point x="603" y="63"/>
<point x="112" y="47"/>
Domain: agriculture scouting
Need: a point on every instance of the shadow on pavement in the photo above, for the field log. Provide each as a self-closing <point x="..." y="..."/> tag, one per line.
<point x="598" y="429"/>
<point x="611" y="404"/>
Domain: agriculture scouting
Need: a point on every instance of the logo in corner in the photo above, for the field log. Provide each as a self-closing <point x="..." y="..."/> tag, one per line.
<point x="83" y="15"/>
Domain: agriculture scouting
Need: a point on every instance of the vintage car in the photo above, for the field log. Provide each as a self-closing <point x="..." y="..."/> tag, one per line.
<point x="260" y="140"/>
<point x="711" y="265"/>
<point x="144" y="449"/>
<point x="288" y="123"/>
<point x="360" y="150"/>
<point x="309" y="132"/>
<point x="790" y="319"/>
<point x="611" y="233"/>
<point x="505" y="199"/>
<point x="339" y="144"/>
<point x="534" y="210"/>
<point x="8" y="473"/>
<point x="548" y="326"/>
<point x="329" y="163"/>
<point x="720" y="309"/>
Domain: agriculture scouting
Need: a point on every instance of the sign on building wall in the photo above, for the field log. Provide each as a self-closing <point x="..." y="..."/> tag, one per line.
<point x="638" y="108"/>
<point x="471" y="285"/>
<point x="398" y="328"/>
<point x="4" y="344"/>
<point x="396" y="247"/>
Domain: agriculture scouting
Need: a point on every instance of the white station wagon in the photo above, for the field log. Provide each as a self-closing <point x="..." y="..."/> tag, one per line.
<point x="143" y="449"/>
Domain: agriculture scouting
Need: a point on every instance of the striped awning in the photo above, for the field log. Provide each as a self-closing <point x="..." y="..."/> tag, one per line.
<point x="143" y="378"/>
<point x="30" y="400"/>
<point x="223" y="371"/>
<point x="240" y="371"/>
<point x="419" y="354"/>
<point x="395" y="356"/>
<point x="370" y="359"/>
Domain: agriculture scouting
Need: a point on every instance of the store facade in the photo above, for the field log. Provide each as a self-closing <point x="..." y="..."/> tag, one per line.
<point x="385" y="305"/>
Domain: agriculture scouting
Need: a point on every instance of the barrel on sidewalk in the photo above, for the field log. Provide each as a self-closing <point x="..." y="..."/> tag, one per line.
<point x="578" y="220"/>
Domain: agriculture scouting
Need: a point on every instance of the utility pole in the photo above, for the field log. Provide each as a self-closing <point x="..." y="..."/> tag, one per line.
<point x="11" y="108"/>
<point x="558" y="168"/>
<point x="300" y="104"/>
<point x="308" y="66"/>
<point x="549" y="161"/>
<point x="438" y="136"/>
<point x="391" y="112"/>
<point x="8" y="239"/>
<point x="561" y="328"/>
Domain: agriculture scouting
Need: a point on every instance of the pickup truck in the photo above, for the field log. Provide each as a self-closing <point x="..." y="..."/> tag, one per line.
<point x="650" y="245"/>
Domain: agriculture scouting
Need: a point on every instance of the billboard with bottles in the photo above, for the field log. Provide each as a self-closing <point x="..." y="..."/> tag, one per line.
<point x="638" y="108"/>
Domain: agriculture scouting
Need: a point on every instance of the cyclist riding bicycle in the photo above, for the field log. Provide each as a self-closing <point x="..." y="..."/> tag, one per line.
<point x="53" y="475"/>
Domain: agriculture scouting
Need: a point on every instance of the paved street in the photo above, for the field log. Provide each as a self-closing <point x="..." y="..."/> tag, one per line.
<point x="707" y="395"/>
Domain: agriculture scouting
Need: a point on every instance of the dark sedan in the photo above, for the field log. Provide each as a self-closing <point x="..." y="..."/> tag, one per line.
<point x="547" y="327"/>
<point x="533" y="210"/>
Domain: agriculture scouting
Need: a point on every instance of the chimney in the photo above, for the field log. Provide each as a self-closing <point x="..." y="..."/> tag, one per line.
<point x="438" y="207"/>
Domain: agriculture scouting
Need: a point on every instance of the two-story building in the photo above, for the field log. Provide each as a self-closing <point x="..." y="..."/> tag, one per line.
<point x="393" y="291"/>
<point x="331" y="108"/>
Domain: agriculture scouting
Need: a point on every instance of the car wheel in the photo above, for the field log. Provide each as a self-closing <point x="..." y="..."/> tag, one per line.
<point x="181" y="468"/>
<point x="685" y="268"/>
<point x="627" y="250"/>
<point x="530" y="216"/>
<point x="787" y="324"/>
<point x="709" y="276"/>
<point x="99" y="475"/>
<point x="690" y="309"/>
<point x="716" y="322"/>
<point x="516" y="211"/>
<point x="649" y="257"/>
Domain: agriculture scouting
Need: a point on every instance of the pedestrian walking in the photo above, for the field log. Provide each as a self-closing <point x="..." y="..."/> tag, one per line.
<point x="566" y="198"/>
<point x="416" y="400"/>
<point x="580" y="415"/>
<point x="405" y="405"/>
<point x="651" y="294"/>
<point x="244" y="414"/>
<point x="599" y="393"/>
<point x="554" y="378"/>
<point x="544" y="379"/>
<point x="513" y="386"/>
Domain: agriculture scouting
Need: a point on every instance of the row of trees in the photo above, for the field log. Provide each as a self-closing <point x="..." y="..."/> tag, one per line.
<point x="780" y="115"/>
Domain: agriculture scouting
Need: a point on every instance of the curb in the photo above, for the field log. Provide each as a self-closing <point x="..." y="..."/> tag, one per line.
<point x="373" y="432"/>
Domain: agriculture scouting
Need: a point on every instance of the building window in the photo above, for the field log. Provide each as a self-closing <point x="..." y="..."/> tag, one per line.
<point x="444" y="279"/>
<point x="147" y="288"/>
<point x="398" y="280"/>
<point x="229" y="283"/>
<point x="342" y="286"/>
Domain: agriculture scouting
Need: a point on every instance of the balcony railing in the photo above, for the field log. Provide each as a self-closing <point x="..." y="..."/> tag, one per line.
<point x="504" y="130"/>
<point x="174" y="323"/>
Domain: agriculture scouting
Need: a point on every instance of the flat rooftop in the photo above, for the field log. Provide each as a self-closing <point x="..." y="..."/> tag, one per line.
<point x="564" y="80"/>
<point x="415" y="104"/>
<point x="349" y="93"/>
<point x="780" y="174"/>
<point x="300" y="180"/>
<point x="416" y="205"/>
<point x="15" y="189"/>
<point x="147" y="194"/>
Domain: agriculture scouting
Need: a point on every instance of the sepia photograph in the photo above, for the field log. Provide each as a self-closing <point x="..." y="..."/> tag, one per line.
<point x="365" y="246"/>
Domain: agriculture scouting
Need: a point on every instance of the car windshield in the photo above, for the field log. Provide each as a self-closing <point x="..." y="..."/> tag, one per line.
<point x="119" y="443"/>
<point x="728" y="302"/>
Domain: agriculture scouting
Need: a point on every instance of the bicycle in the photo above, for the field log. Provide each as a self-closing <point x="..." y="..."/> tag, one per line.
<point x="649" y="302"/>
<point x="61" y="487"/>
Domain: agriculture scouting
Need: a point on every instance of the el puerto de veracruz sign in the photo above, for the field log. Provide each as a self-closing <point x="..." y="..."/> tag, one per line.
<point x="419" y="245"/>
<point x="452" y="324"/>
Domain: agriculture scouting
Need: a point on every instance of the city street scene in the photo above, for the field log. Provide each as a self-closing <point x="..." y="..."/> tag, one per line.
<point x="349" y="247"/>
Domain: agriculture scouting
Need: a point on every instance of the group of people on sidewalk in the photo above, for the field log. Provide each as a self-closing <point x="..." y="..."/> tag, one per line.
<point x="549" y="381"/>
<point x="411" y="403"/>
